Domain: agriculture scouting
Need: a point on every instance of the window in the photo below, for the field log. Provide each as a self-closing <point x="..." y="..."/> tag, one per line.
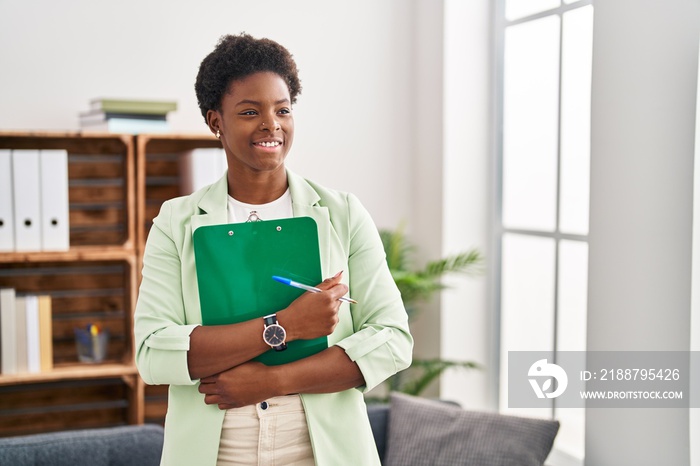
<point x="544" y="62"/>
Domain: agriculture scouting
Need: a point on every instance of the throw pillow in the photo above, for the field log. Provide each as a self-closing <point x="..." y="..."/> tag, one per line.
<point x="427" y="432"/>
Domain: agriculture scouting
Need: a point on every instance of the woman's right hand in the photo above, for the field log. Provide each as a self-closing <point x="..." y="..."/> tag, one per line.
<point x="314" y="315"/>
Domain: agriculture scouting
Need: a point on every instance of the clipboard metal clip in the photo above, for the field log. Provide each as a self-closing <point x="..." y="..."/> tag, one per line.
<point x="253" y="217"/>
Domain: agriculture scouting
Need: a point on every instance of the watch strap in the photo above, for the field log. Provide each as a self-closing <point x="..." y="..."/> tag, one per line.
<point x="280" y="347"/>
<point x="271" y="319"/>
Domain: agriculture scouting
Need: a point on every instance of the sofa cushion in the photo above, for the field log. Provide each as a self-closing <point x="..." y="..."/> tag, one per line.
<point x="427" y="432"/>
<point x="133" y="445"/>
<point x="378" y="418"/>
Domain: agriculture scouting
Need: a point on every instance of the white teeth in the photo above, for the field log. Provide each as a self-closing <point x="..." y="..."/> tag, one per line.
<point x="269" y="144"/>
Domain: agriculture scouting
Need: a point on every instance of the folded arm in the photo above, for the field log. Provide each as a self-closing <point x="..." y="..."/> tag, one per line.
<point x="329" y="371"/>
<point x="214" y="349"/>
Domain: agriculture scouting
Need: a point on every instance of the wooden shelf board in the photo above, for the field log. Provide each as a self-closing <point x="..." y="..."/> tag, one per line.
<point x="185" y="137"/>
<point x="73" y="371"/>
<point x="49" y="134"/>
<point x="82" y="253"/>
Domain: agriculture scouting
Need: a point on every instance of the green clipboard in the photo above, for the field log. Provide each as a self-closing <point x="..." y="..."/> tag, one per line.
<point x="235" y="264"/>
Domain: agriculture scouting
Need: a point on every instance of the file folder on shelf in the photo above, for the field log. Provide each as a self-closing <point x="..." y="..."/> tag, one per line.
<point x="8" y="331"/>
<point x="32" y="335"/>
<point x="235" y="264"/>
<point x="54" y="200"/>
<point x="21" y="336"/>
<point x="45" y="333"/>
<point x="7" y="219"/>
<point x="201" y="167"/>
<point x="27" y="199"/>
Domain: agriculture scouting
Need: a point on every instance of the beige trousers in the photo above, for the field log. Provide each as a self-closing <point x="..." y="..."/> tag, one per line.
<point x="270" y="433"/>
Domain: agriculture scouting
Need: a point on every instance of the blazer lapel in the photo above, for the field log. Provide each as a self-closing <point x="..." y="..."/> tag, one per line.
<point x="305" y="203"/>
<point x="212" y="205"/>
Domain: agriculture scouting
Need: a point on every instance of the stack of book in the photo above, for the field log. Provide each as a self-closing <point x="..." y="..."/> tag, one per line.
<point x="26" y="336"/>
<point x="127" y="116"/>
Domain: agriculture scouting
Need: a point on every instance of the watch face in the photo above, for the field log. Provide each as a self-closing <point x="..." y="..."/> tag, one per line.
<point x="274" y="335"/>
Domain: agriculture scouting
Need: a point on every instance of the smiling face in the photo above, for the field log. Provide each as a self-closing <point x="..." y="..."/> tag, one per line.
<point x="256" y="124"/>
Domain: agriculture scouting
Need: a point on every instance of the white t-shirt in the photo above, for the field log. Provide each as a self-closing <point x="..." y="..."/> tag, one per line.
<point x="281" y="207"/>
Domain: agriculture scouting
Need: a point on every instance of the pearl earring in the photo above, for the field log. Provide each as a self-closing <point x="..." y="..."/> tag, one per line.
<point x="218" y="133"/>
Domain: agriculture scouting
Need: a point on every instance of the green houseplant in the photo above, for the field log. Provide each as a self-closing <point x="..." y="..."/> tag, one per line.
<point x="418" y="285"/>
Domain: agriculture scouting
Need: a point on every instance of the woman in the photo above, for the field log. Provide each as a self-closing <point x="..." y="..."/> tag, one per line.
<point x="224" y="408"/>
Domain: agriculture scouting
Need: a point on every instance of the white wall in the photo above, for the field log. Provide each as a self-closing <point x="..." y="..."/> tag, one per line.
<point x="354" y="119"/>
<point x="466" y="323"/>
<point x="645" y="68"/>
<point x="695" y="294"/>
<point x="451" y="187"/>
<point x="426" y="219"/>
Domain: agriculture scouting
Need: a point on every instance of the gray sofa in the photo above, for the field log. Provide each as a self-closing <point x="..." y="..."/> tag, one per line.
<point x="410" y="431"/>
<point x="134" y="445"/>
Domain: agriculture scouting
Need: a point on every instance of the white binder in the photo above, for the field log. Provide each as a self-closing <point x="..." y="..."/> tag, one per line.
<point x="27" y="200"/>
<point x="201" y="167"/>
<point x="33" y="349"/>
<point x="54" y="200"/>
<point x="7" y="220"/>
<point x="21" y="336"/>
<point x="8" y="331"/>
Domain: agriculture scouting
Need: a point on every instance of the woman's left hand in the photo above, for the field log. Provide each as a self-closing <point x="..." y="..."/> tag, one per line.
<point x="243" y="385"/>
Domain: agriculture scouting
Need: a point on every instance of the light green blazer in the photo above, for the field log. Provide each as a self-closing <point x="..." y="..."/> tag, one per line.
<point x="373" y="333"/>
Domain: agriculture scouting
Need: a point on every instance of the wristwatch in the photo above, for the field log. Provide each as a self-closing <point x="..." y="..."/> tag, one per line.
<point x="274" y="334"/>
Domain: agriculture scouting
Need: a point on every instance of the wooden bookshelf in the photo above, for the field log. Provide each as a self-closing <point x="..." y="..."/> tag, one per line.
<point x="93" y="282"/>
<point x="117" y="183"/>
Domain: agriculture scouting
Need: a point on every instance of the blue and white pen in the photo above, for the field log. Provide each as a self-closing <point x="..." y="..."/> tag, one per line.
<point x="312" y="289"/>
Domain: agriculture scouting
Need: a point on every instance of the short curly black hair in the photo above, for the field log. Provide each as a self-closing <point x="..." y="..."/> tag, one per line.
<point x="238" y="56"/>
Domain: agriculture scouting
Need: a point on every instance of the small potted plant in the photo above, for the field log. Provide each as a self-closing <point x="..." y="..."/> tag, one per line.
<point x="417" y="285"/>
